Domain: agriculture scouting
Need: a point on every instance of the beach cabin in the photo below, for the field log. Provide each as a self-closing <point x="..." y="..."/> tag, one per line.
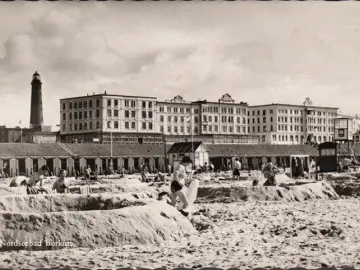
<point x="197" y="151"/>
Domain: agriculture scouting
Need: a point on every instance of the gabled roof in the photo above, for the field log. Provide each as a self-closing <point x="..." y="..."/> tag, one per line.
<point x="11" y="150"/>
<point x="184" y="147"/>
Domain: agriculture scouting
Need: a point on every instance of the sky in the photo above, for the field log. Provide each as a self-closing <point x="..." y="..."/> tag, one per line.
<point x="258" y="52"/>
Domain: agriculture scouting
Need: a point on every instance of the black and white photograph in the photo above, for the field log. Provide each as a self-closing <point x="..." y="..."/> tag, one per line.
<point x="167" y="134"/>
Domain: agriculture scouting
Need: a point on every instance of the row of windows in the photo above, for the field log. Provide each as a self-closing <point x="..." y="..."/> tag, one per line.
<point x="224" y="129"/>
<point x="259" y="112"/>
<point x="181" y="119"/>
<point x="82" y="115"/>
<point x="81" y="104"/>
<point x="175" y="129"/>
<point x="81" y="126"/>
<point x="296" y="138"/>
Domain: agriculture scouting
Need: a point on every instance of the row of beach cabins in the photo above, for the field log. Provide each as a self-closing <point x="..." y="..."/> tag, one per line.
<point x="24" y="159"/>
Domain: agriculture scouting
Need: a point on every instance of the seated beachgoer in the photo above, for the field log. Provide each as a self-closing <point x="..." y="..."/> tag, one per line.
<point x="34" y="185"/>
<point x="61" y="185"/>
<point x="269" y="172"/>
<point x="19" y="181"/>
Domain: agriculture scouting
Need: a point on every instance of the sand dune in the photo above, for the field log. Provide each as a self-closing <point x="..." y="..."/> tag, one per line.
<point x="149" y="224"/>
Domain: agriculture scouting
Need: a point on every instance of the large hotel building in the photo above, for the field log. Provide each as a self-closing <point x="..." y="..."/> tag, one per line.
<point x="136" y="119"/>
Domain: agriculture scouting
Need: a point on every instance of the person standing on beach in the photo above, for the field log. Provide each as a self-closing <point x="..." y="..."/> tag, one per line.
<point x="237" y="168"/>
<point x="61" y="185"/>
<point x="178" y="183"/>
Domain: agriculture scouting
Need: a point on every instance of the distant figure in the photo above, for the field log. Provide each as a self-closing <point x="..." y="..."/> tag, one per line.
<point x="61" y="185"/>
<point x="88" y="172"/>
<point x="206" y="167"/>
<point x="312" y="169"/>
<point x="237" y="168"/>
<point x="212" y="168"/>
<point x="169" y="170"/>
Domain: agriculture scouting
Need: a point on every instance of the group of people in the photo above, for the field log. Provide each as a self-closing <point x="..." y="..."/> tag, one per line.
<point x="34" y="185"/>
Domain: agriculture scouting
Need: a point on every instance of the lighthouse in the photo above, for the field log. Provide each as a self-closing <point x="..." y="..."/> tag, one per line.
<point x="36" y="111"/>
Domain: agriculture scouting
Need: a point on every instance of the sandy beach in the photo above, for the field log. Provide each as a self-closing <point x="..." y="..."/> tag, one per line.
<point x="317" y="233"/>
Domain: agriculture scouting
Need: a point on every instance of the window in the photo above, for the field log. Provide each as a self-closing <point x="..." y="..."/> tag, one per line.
<point x="224" y="129"/>
<point x="116" y="102"/>
<point x="85" y="115"/>
<point x="216" y="129"/>
<point x="143" y="125"/>
<point x="175" y="119"/>
<point x="133" y="103"/>
<point x="126" y="114"/>
<point x="70" y="127"/>
<point x="97" y="113"/>
<point x="196" y="130"/>
<point x="144" y="104"/>
<point x="133" y="125"/>
<point x="109" y="124"/>
<point x="215" y="119"/>
<point x="109" y="102"/>
<point x="175" y="129"/>
<point x="150" y="126"/>
<point x="75" y="105"/>
<point x="63" y="127"/>
<point x="109" y="113"/>
<point x="116" y="124"/>
<point x="127" y="125"/>
<point x="230" y="129"/>
<point x="90" y="126"/>
<point x="169" y="129"/>
<point x="133" y="114"/>
<point x="181" y="110"/>
<point x="90" y="103"/>
<point x="161" y="118"/>
<point x="143" y="113"/>
<point x="341" y="132"/>
<point x="169" y="119"/>
<point x="196" y="119"/>
<point x="210" y="128"/>
<point x="161" y="129"/>
<point x="80" y="106"/>
<point x="75" y="126"/>
<point x="238" y="129"/>
<point x="264" y="119"/>
<point x="70" y="116"/>
<point x="127" y="103"/>
<point x="150" y="115"/>
<point x="116" y="113"/>
<point x="196" y="110"/>
<point x="70" y="105"/>
<point x="64" y="106"/>
<point x="80" y="126"/>
<point x="64" y="116"/>
<point x="162" y="109"/>
<point x="85" y="104"/>
<point x="75" y="115"/>
<point x="97" y="102"/>
<point x="264" y="128"/>
<point x="150" y="105"/>
<point x="187" y="110"/>
<point x="258" y="129"/>
<point x="175" y="110"/>
<point x="85" y="126"/>
<point x="80" y="115"/>
<point x="238" y="120"/>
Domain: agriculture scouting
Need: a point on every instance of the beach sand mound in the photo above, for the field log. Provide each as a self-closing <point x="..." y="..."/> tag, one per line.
<point x="149" y="224"/>
<point x="72" y="202"/>
<point x="233" y="193"/>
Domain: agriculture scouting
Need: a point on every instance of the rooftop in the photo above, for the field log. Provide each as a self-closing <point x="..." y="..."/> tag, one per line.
<point x="106" y="95"/>
<point x="292" y="105"/>
<point x="184" y="147"/>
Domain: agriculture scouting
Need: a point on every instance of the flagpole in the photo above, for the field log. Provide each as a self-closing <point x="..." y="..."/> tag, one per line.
<point x="192" y="135"/>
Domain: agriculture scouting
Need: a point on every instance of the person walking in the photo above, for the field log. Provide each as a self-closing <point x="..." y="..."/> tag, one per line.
<point x="237" y="168"/>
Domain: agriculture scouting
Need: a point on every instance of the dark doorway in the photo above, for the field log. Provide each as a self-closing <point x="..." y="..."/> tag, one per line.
<point x="35" y="165"/>
<point x="157" y="163"/>
<point x="63" y="163"/>
<point x="77" y="164"/>
<point x="140" y="141"/>
<point x="6" y="167"/>
<point x="147" y="162"/>
<point x="50" y="164"/>
<point x="104" y="167"/>
<point x="136" y="163"/>
<point x="115" y="163"/>
<point x="91" y="162"/>
<point x="22" y="167"/>
<point x="126" y="163"/>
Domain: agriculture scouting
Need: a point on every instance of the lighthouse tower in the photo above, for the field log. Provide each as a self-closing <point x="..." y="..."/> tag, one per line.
<point x="36" y="111"/>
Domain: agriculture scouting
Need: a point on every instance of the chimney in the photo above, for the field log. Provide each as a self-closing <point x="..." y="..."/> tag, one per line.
<point x="105" y="92"/>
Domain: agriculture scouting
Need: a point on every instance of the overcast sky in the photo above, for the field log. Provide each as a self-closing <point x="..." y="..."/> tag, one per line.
<point x="258" y="52"/>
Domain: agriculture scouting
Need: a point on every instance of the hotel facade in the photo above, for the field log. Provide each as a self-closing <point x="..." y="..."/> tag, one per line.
<point x="292" y="124"/>
<point x="137" y="120"/>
